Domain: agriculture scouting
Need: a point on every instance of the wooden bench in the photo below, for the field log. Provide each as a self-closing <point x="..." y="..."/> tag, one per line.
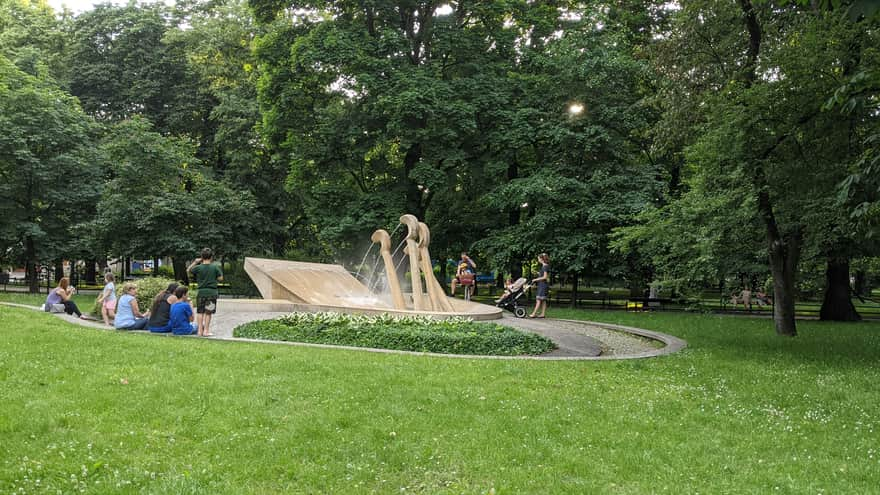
<point x="593" y="295"/>
<point x="647" y="303"/>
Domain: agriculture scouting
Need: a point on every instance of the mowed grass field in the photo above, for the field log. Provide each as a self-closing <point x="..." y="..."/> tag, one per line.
<point x="739" y="411"/>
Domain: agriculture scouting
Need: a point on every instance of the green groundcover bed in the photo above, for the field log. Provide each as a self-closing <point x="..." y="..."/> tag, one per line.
<point x="421" y="334"/>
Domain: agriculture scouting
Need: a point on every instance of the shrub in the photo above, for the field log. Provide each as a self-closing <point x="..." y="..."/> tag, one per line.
<point x="147" y="290"/>
<point x="422" y="334"/>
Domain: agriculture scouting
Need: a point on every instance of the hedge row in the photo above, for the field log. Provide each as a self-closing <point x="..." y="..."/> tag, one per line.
<point x="421" y="334"/>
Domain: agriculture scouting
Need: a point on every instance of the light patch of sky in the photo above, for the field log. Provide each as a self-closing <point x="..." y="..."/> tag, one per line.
<point x="444" y="9"/>
<point x="77" y="6"/>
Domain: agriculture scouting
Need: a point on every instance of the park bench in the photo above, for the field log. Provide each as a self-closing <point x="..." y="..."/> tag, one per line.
<point x="647" y="303"/>
<point x="593" y="295"/>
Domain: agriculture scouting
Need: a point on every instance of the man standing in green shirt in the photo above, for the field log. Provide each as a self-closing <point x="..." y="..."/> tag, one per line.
<point x="207" y="274"/>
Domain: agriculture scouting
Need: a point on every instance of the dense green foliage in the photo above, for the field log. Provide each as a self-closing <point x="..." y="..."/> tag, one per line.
<point x="157" y="415"/>
<point x="688" y="144"/>
<point x="48" y="174"/>
<point x="420" y="334"/>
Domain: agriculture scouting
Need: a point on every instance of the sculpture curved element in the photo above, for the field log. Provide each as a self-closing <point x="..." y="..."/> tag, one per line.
<point x="435" y="290"/>
<point x="384" y="239"/>
<point x="412" y="251"/>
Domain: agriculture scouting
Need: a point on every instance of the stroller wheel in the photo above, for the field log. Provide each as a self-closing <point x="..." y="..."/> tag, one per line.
<point x="519" y="312"/>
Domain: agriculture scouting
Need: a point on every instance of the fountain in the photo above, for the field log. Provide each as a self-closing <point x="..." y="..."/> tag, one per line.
<point x="288" y="286"/>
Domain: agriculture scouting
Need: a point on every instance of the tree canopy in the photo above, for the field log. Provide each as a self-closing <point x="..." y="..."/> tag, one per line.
<point x="703" y="143"/>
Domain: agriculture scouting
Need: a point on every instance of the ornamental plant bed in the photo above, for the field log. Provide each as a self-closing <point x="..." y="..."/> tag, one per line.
<point x="419" y="333"/>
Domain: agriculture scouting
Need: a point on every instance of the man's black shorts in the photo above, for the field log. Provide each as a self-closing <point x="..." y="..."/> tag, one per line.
<point x="206" y="305"/>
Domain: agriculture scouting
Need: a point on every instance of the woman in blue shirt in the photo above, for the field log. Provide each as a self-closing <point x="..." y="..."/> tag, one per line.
<point x="128" y="314"/>
<point x="182" y="313"/>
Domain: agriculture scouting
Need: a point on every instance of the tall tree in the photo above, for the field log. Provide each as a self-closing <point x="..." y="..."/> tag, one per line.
<point x="219" y="47"/>
<point x="34" y="39"/>
<point x="48" y="169"/>
<point x="157" y="203"/>
<point x="759" y="130"/>
<point x="122" y="66"/>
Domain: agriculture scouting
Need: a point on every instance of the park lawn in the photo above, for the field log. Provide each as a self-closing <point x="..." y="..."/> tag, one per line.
<point x="83" y="301"/>
<point x="738" y="411"/>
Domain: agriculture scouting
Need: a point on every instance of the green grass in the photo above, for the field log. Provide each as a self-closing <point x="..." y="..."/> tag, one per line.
<point x="84" y="302"/>
<point x="738" y="411"/>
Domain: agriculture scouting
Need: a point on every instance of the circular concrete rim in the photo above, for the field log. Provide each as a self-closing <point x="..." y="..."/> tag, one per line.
<point x="673" y="344"/>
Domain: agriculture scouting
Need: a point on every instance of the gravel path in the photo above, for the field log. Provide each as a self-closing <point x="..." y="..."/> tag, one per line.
<point x="574" y="339"/>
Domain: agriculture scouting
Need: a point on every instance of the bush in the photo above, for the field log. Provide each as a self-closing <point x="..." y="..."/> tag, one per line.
<point x="422" y="334"/>
<point x="147" y="290"/>
<point x="166" y="271"/>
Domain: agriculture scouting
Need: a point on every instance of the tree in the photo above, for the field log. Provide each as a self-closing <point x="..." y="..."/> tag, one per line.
<point x="759" y="129"/>
<point x="33" y="39"/>
<point x="48" y="169"/>
<point x="458" y="117"/>
<point x="157" y="203"/>
<point x="121" y="66"/>
<point x="219" y="48"/>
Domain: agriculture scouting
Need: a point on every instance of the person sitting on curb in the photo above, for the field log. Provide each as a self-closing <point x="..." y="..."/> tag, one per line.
<point x="160" y="312"/>
<point x="128" y="314"/>
<point x="182" y="313"/>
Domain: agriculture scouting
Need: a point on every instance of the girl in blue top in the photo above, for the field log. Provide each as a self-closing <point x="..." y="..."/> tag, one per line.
<point x="182" y="313"/>
<point x="107" y="299"/>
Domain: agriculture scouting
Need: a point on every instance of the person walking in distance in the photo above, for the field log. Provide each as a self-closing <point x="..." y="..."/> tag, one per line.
<point x="207" y="275"/>
<point x="543" y="282"/>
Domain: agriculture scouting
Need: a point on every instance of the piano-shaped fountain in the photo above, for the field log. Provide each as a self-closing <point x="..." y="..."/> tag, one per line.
<point x="288" y="286"/>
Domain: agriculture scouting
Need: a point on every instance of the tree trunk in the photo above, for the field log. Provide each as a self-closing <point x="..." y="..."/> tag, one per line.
<point x="861" y="283"/>
<point x="574" y="290"/>
<point x="74" y="273"/>
<point x="30" y="266"/>
<point x="413" y="193"/>
<point x="156" y="266"/>
<point x="59" y="270"/>
<point x="91" y="272"/>
<point x="837" y="304"/>
<point x="180" y="270"/>
<point x="783" y="263"/>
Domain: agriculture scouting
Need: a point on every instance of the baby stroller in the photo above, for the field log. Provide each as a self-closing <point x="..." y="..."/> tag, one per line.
<point x="510" y="299"/>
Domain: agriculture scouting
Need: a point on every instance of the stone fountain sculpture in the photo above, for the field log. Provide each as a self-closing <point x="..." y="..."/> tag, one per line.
<point x="299" y="286"/>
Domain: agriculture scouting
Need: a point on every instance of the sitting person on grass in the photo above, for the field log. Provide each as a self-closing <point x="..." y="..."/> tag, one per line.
<point x="128" y="314"/>
<point x="160" y="313"/>
<point x="181" y="321"/>
<point x="61" y="296"/>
